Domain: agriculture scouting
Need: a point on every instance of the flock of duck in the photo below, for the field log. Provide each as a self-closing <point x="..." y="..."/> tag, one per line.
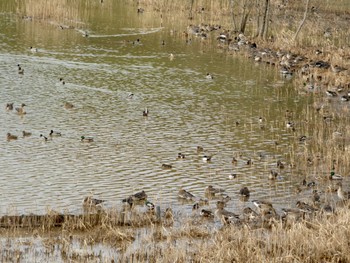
<point x="312" y="71"/>
<point x="264" y="213"/>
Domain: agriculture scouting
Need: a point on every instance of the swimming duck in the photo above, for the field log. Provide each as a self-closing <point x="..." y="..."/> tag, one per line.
<point x="20" y="70"/>
<point x="20" y="110"/>
<point x="33" y="49"/>
<point x="211" y="191"/>
<point x="199" y="149"/>
<point x="234" y="160"/>
<point x="11" y="137"/>
<point x="139" y="196"/>
<point x="55" y="133"/>
<point x="25" y="134"/>
<point x="290" y="125"/>
<point x="68" y="105"/>
<point x="9" y="106"/>
<point x="209" y="76"/>
<point x="89" y="201"/>
<point x="44" y="137"/>
<point x="244" y="191"/>
<point x="206" y="213"/>
<point x="180" y="156"/>
<point x="183" y="194"/>
<point x="167" y="166"/>
<point x="86" y="139"/>
<point x="207" y="158"/>
<point x="171" y="56"/>
<point x="232" y="176"/>
<point x="145" y="112"/>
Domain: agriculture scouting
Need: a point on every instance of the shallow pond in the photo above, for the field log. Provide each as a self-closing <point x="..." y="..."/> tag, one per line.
<point x="186" y="110"/>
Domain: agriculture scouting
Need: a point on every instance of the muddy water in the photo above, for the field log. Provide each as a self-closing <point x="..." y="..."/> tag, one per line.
<point x="186" y="110"/>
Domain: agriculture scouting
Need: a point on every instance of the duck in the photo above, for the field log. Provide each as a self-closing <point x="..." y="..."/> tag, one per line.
<point x="200" y="149"/>
<point x="234" y="161"/>
<point x="25" y="134"/>
<point x="180" y="156"/>
<point x="207" y="158"/>
<point x="11" y="137"/>
<point x="211" y="191"/>
<point x="225" y="216"/>
<point x="315" y="197"/>
<point x="264" y="207"/>
<point x="33" y="49"/>
<point x="68" y="105"/>
<point x="89" y="201"/>
<point x="171" y="56"/>
<point x="304" y="207"/>
<point x="290" y="125"/>
<point x="139" y="196"/>
<point x="244" y="192"/>
<point x="149" y="205"/>
<point x="280" y="164"/>
<point x="206" y="213"/>
<point x="209" y="76"/>
<point x="44" y="137"/>
<point x="167" y="166"/>
<point x="9" y="106"/>
<point x="292" y="214"/>
<point x="334" y="176"/>
<point x="183" y="194"/>
<point x="20" y="110"/>
<point x="342" y="194"/>
<point x="337" y="69"/>
<point x="273" y="175"/>
<point x="20" y="70"/>
<point x="232" y="176"/>
<point x="249" y="213"/>
<point x="86" y="139"/>
<point x="145" y="112"/>
<point x="55" y="133"/>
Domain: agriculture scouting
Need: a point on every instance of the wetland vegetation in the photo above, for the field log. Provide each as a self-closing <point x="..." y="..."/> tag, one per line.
<point x="263" y="144"/>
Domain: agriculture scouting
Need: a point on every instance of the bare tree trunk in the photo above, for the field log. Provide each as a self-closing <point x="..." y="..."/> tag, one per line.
<point x="233" y="15"/>
<point x="263" y="29"/>
<point x="258" y="11"/>
<point x="302" y="21"/>
<point x="190" y="17"/>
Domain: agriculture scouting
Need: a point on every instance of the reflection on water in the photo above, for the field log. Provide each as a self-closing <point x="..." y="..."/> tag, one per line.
<point x="185" y="110"/>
